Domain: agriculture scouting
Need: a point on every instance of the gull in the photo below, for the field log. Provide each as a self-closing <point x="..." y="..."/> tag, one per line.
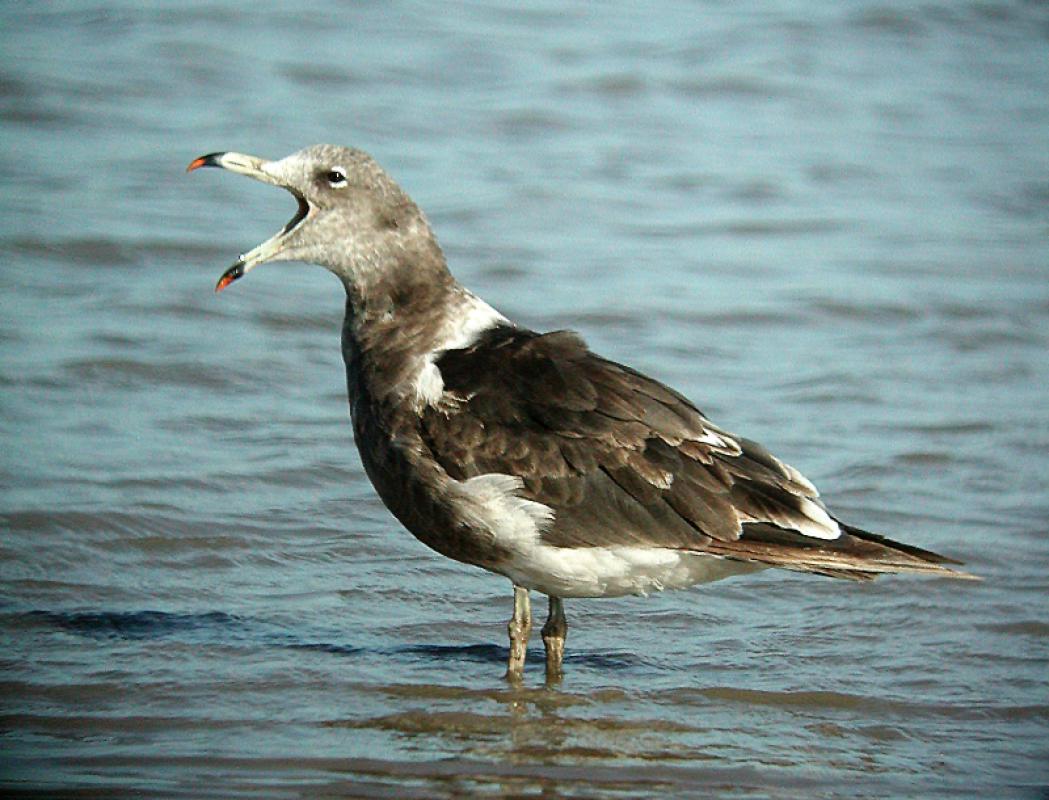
<point x="525" y="453"/>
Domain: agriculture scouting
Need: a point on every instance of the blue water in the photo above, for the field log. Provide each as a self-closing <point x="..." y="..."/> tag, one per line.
<point x="827" y="223"/>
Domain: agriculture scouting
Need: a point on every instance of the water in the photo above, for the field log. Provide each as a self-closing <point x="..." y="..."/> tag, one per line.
<point x="824" y="222"/>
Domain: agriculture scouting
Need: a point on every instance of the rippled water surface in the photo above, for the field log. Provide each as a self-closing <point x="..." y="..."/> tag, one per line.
<point x="825" y="222"/>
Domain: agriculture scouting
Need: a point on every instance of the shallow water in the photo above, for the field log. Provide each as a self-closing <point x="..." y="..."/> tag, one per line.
<point x="826" y="223"/>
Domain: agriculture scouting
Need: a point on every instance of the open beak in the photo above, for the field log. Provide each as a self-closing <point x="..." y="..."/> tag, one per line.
<point x="260" y="170"/>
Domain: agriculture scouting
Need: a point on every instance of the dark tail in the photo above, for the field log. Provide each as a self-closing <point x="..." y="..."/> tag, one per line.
<point x="855" y="555"/>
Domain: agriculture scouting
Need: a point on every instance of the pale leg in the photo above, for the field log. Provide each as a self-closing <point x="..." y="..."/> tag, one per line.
<point x="554" y="632"/>
<point x="520" y="628"/>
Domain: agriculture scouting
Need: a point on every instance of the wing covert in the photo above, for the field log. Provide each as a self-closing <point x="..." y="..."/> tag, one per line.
<point x="619" y="457"/>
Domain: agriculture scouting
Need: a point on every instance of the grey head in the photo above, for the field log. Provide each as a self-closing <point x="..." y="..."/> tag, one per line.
<point x="352" y="218"/>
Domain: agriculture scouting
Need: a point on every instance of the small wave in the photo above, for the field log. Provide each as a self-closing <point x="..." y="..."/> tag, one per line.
<point x="876" y="312"/>
<point x="108" y="371"/>
<point x="484" y="653"/>
<point x="134" y="624"/>
<point x="328" y="647"/>
<point x="108" y="252"/>
<point x="612" y="84"/>
<point x="1033" y="628"/>
<point x="742" y="228"/>
<point x="734" y="86"/>
<point x="952" y="427"/>
<point x="925" y="458"/>
<point x="312" y="75"/>
<point x="867" y="705"/>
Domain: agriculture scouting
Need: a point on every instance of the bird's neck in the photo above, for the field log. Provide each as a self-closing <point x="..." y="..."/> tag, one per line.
<point x="393" y="332"/>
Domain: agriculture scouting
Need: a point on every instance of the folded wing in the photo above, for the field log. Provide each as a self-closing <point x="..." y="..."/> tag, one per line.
<point x="623" y="460"/>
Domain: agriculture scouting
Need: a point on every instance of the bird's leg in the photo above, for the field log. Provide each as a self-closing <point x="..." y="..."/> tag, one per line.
<point x="520" y="628"/>
<point x="554" y="632"/>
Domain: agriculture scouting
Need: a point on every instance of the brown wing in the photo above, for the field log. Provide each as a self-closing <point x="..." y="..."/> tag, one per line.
<point x="624" y="460"/>
<point x="621" y="458"/>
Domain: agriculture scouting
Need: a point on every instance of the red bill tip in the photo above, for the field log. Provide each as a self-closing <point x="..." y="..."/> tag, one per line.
<point x="230" y="275"/>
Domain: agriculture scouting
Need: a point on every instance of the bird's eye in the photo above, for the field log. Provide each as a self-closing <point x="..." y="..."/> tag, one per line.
<point x="335" y="177"/>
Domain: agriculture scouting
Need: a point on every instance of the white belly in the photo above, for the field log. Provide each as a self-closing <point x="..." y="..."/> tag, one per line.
<point x="491" y="501"/>
<point x="616" y="571"/>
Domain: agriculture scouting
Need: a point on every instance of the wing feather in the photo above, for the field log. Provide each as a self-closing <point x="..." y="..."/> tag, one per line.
<point x="619" y="457"/>
<point x="623" y="460"/>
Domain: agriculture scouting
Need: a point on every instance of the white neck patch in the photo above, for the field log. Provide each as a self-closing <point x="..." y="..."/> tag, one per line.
<point x="465" y="323"/>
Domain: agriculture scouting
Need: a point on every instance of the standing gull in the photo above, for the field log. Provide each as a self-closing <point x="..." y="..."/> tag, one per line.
<point x="524" y="453"/>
